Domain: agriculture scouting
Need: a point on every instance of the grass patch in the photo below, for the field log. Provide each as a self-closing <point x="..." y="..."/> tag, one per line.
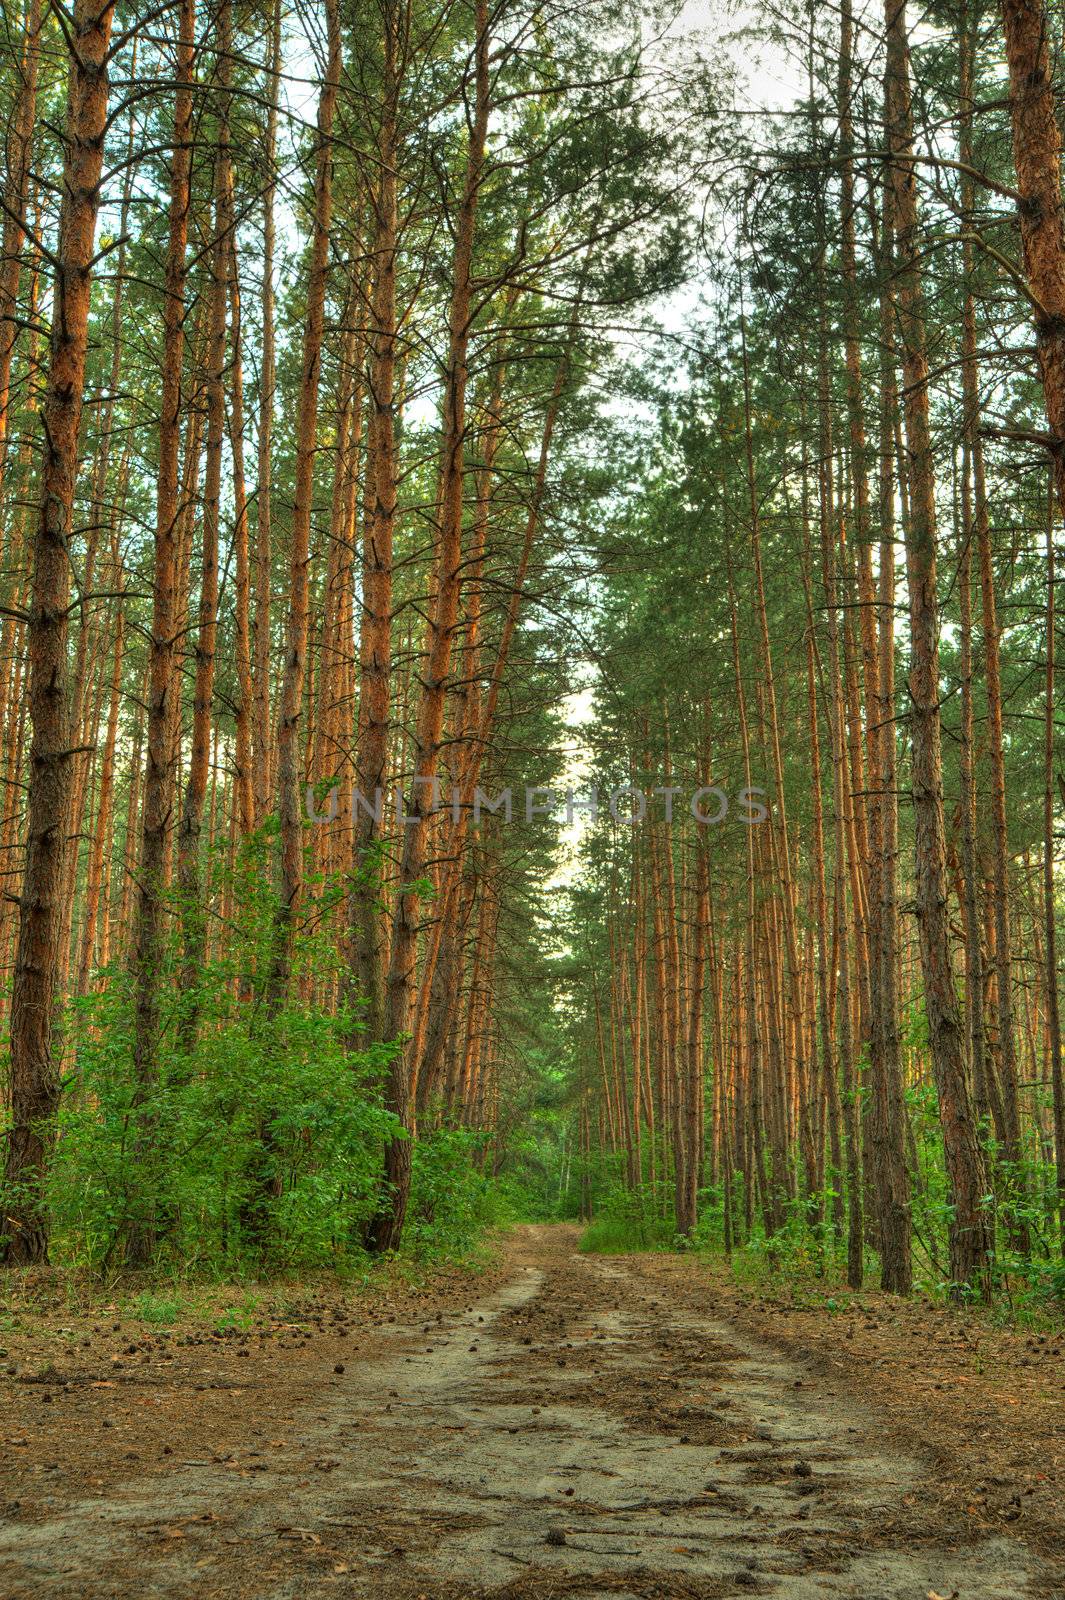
<point x="162" y="1310"/>
<point x="618" y="1236"/>
<point x="239" y="1317"/>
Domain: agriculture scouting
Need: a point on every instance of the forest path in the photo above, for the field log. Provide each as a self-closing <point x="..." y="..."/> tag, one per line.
<point x="587" y="1429"/>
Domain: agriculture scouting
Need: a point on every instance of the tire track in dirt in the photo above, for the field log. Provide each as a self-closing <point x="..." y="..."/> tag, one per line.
<point x="576" y="1433"/>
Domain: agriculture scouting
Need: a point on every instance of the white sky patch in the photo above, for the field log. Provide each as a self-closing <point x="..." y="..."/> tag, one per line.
<point x="576" y="777"/>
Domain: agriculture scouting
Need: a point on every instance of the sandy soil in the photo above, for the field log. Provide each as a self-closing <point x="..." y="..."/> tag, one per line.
<point x="588" y="1426"/>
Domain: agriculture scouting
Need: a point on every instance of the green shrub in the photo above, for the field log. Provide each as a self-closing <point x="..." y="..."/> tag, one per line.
<point x="255" y="1138"/>
<point x="625" y="1221"/>
<point x="286" y="1108"/>
<point x="451" y="1200"/>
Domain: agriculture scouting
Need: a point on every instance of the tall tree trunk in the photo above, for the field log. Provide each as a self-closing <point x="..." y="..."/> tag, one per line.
<point x="750" y="1027"/>
<point x="164" y="688"/>
<point x="435" y="1009"/>
<point x="1037" y="160"/>
<point x="261" y="733"/>
<point x="891" y="1079"/>
<point x="290" y="796"/>
<point x="969" y="1238"/>
<point x="244" y="773"/>
<point x="1049" y="904"/>
<point x="819" y="891"/>
<point x="480" y="717"/>
<point x="974" y="962"/>
<point x="842" y="800"/>
<point x="19" y="154"/>
<point x="1007" y="1060"/>
<point x="191" y="824"/>
<point x="34" y="1074"/>
<point x="386" y="1228"/>
<point x="978" y="528"/>
<point x="691" y="1098"/>
<point x="103" y="811"/>
<point x="779" y="810"/>
<point x="375" y="632"/>
<point x="974" y="967"/>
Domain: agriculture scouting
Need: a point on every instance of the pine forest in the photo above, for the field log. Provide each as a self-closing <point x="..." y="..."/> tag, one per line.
<point x="532" y="668"/>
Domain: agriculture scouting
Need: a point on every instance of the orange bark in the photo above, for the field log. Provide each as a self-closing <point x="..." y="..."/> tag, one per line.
<point x="34" y="1075"/>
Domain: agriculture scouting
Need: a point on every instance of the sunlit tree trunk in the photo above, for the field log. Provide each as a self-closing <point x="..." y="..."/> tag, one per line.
<point x="34" y="1074"/>
<point x="969" y="1241"/>
<point x="387" y="1227"/>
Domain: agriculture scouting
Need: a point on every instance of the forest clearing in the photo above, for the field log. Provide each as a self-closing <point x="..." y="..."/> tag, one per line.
<point x="532" y="798"/>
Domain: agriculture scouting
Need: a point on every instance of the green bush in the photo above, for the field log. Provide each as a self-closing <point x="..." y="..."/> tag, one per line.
<point x="285" y="1109"/>
<point x="451" y="1200"/>
<point x="626" y="1220"/>
<point x="256" y="1135"/>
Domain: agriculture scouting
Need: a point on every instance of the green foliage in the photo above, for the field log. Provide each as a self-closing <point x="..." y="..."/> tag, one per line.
<point x="452" y="1201"/>
<point x="1033" y="1291"/>
<point x="520" y="1199"/>
<point x="627" y="1221"/>
<point x="159" y="1309"/>
<point x="254" y="1134"/>
<point x="239" y="1317"/>
<point x="291" y="1091"/>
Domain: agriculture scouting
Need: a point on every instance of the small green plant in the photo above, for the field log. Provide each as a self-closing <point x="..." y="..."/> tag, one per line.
<point x="160" y="1309"/>
<point x="238" y="1317"/>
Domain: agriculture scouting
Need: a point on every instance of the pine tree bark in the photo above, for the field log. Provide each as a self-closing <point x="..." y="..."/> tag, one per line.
<point x="290" y="796"/>
<point x="1057" y="1079"/>
<point x="1037" y="161"/>
<point x="375" y="632"/>
<point x="842" y="801"/>
<point x="974" y="963"/>
<point x="480" y="716"/>
<point x="893" y="1112"/>
<point x="34" y="1073"/>
<point x="969" y="1237"/>
<point x="104" y="803"/>
<point x="1007" y="1058"/>
<point x="692" y="1083"/>
<point x="244" y="712"/>
<point x="163" y="683"/>
<point x="779" y="808"/>
<point x="262" y="775"/>
<point x="750" y="1029"/>
<point x="190" y="826"/>
<point x="386" y="1228"/>
<point x="19" y="155"/>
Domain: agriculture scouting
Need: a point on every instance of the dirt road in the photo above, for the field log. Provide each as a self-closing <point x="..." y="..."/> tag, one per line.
<point x="586" y="1429"/>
